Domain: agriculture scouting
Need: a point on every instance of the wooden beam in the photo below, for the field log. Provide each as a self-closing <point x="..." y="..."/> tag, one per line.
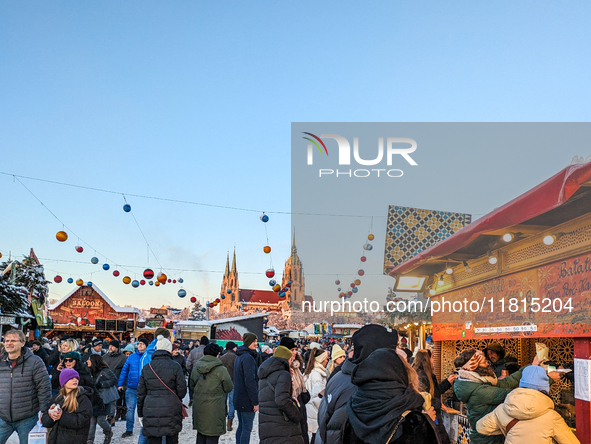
<point x="523" y="229"/>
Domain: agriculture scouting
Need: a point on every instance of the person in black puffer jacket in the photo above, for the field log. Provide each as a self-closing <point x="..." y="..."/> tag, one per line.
<point x="103" y="378"/>
<point x="279" y="416"/>
<point x="160" y="406"/>
<point x="71" y="360"/>
<point x="72" y="422"/>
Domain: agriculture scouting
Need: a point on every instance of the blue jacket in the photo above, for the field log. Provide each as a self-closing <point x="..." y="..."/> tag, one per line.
<point x="246" y="381"/>
<point x="132" y="369"/>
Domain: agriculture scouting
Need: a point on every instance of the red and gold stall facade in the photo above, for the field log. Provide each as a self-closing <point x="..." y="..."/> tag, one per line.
<point x="86" y="312"/>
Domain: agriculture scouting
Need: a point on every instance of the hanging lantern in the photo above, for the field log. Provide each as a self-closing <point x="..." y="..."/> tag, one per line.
<point x="161" y="277"/>
<point x="116" y="273"/>
<point x="354" y="289"/>
<point x="142" y="282"/>
<point x="79" y="249"/>
<point x="61" y="236"/>
<point x="157" y="283"/>
<point x="148" y="273"/>
<point x="182" y="293"/>
<point x="267" y="249"/>
<point x="361" y="272"/>
<point x="94" y="260"/>
<point x="57" y="279"/>
<point x="357" y="282"/>
<point x="368" y="246"/>
<point x="370" y="237"/>
<point x="264" y="218"/>
<point x="151" y="282"/>
<point x="276" y="288"/>
<point x="223" y="296"/>
<point x="89" y="284"/>
<point x="363" y="258"/>
<point x="281" y="294"/>
<point x="180" y="280"/>
<point x="126" y="280"/>
<point x="127" y="208"/>
<point x="106" y="267"/>
<point x="193" y="299"/>
<point x="270" y="273"/>
<point x="272" y="282"/>
<point x="80" y="282"/>
<point x="337" y="282"/>
<point x="70" y="280"/>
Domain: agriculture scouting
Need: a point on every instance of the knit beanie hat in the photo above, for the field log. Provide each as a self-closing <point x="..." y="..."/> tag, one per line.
<point x="67" y="374"/>
<point x="314" y="345"/>
<point x="337" y="352"/>
<point x="321" y="357"/>
<point x="162" y="331"/>
<point x="175" y="347"/>
<point x="129" y="348"/>
<point x="163" y="344"/>
<point x="287" y="342"/>
<point x="144" y="341"/>
<point x="72" y="355"/>
<point x="370" y="338"/>
<point x="203" y="340"/>
<point x="115" y="343"/>
<point x="535" y="377"/>
<point x="249" y="338"/>
<point x="230" y="345"/>
<point x="212" y="349"/>
<point x="96" y="342"/>
<point x="282" y="352"/>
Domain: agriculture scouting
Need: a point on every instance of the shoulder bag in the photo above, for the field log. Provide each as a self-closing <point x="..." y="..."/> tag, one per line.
<point x="109" y="394"/>
<point x="183" y="406"/>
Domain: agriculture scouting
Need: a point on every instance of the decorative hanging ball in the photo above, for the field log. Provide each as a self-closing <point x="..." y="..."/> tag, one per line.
<point x="337" y="282"/>
<point x="339" y="289"/>
<point x="116" y="273"/>
<point x="174" y="281"/>
<point x="157" y="283"/>
<point x="127" y="208"/>
<point x="126" y="280"/>
<point x="89" y="284"/>
<point x="182" y="293"/>
<point x="79" y="249"/>
<point x="281" y="294"/>
<point x="341" y="295"/>
<point x="57" y="279"/>
<point x="289" y="282"/>
<point x="193" y="299"/>
<point x="357" y="282"/>
<point x="148" y="273"/>
<point x="142" y="282"/>
<point x="106" y="267"/>
<point x="355" y="289"/>
<point x="211" y="305"/>
<point x="363" y="258"/>
<point x="361" y="272"/>
<point x="270" y="273"/>
<point x="163" y="282"/>
<point x="181" y="281"/>
<point x="264" y="218"/>
<point x="368" y="246"/>
<point x="370" y="237"/>
<point x="94" y="260"/>
<point x="276" y="287"/>
<point x="61" y="236"/>
<point x="350" y="293"/>
<point x="151" y="282"/>
<point x="218" y="300"/>
<point x="272" y="282"/>
<point x="286" y="289"/>
<point x="0" y="255"/>
<point x="288" y="285"/>
<point x="223" y="296"/>
<point x="229" y="291"/>
<point x="267" y="249"/>
<point x="169" y="281"/>
<point x="161" y="277"/>
<point x="352" y="284"/>
<point x="80" y="282"/>
<point x="70" y="280"/>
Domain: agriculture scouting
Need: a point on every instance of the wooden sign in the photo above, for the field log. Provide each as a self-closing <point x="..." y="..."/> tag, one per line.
<point x="159" y="311"/>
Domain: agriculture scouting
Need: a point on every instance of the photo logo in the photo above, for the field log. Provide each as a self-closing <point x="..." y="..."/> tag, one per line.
<point x="393" y="147"/>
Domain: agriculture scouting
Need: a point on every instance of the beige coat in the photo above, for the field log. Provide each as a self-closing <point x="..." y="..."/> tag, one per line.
<point x="538" y="422"/>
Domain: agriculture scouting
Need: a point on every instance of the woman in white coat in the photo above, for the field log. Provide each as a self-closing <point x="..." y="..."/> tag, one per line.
<point x="315" y="377"/>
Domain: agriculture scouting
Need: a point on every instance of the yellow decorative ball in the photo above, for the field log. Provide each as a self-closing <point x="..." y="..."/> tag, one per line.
<point x="371" y="237"/>
<point x="157" y="284"/>
<point x="267" y="249"/>
<point x="126" y="280"/>
<point x="357" y="282"/>
<point x="61" y="236"/>
<point x="80" y="282"/>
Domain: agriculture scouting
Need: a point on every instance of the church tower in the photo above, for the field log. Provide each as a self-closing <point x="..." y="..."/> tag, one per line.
<point x="294" y="272"/>
<point x="230" y="282"/>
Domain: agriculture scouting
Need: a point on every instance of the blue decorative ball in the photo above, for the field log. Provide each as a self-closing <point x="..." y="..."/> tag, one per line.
<point x="272" y="282"/>
<point x="229" y="291"/>
<point x="127" y="208"/>
<point x="339" y="289"/>
<point x="182" y="293"/>
<point x="70" y="280"/>
<point x="135" y="284"/>
<point x="264" y="218"/>
<point x="150" y="282"/>
<point x="106" y="267"/>
<point x="281" y="294"/>
<point x="89" y="284"/>
<point x="203" y="310"/>
<point x="94" y="260"/>
<point x="289" y="282"/>
<point x="181" y="280"/>
<point x="354" y="289"/>
<point x="223" y="296"/>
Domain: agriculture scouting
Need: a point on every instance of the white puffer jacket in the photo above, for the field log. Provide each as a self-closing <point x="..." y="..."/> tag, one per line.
<point x="315" y="383"/>
<point x="538" y="422"/>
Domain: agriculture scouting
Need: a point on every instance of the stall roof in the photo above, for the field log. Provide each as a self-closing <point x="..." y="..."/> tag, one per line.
<point x="102" y="295"/>
<point x="221" y="321"/>
<point x="561" y="198"/>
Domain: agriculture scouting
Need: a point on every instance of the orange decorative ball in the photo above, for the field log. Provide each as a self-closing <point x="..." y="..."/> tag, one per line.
<point x="276" y="287"/>
<point x="61" y="236"/>
<point x="126" y="280"/>
<point x="267" y="249"/>
<point x="370" y="237"/>
<point x="157" y="284"/>
<point x="80" y="282"/>
<point x="162" y="278"/>
<point x="357" y="282"/>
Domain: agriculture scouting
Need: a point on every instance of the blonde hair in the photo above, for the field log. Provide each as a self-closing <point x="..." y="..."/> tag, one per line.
<point x="70" y="400"/>
<point x="72" y="345"/>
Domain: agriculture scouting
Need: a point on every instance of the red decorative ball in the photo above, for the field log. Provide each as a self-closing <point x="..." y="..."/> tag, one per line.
<point x="350" y="293"/>
<point x="218" y="300"/>
<point x="148" y="273"/>
<point x="352" y="284"/>
<point x="115" y="273"/>
<point x="361" y="272"/>
<point x="169" y="281"/>
<point x="363" y="258"/>
<point x="79" y="249"/>
<point x="193" y="299"/>
<point x="142" y="282"/>
<point x="174" y="281"/>
<point x="270" y="273"/>
<point x="57" y="279"/>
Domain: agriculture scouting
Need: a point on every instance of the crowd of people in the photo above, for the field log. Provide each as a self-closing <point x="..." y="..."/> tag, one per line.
<point x="369" y="389"/>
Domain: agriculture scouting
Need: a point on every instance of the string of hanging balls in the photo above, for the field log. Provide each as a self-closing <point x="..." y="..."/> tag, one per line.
<point x="357" y="282"/>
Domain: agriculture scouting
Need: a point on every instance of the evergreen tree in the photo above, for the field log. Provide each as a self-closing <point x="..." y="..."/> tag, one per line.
<point x="13" y="295"/>
<point x="197" y="313"/>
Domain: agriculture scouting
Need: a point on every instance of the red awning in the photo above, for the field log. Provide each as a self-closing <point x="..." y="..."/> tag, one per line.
<point x="547" y="196"/>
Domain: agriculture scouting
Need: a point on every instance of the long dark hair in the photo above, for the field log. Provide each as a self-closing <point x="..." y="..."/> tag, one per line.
<point x="98" y="364"/>
<point x="422" y="363"/>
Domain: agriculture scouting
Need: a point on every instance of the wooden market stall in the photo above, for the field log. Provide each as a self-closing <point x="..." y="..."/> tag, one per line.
<point x="519" y="275"/>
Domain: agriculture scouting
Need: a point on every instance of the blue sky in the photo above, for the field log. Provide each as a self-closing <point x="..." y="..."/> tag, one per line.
<point x="194" y="101"/>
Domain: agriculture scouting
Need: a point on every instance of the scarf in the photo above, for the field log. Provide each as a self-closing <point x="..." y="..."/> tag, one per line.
<point x="475" y="377"/>
<point x="297" y="380"/>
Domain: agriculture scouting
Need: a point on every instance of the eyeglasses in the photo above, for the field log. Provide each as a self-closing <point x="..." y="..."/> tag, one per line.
<point x="69" y="360"/>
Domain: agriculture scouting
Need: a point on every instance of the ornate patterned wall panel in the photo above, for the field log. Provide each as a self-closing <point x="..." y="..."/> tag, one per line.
<point x="411" y="230"/>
